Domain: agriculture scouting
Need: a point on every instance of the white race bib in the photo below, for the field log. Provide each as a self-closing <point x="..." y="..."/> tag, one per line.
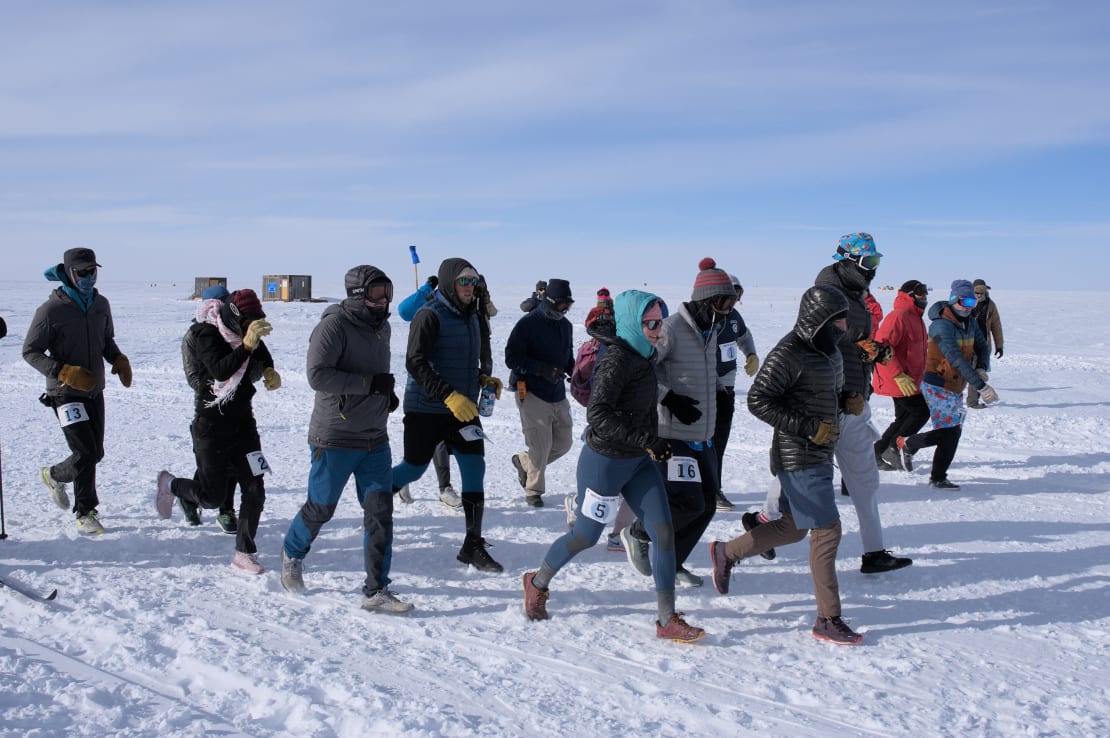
<point x="472" y="433"/>
<point x="729" y="352"/>
<point x="72" y="412"/>
<point x="258" y="463"/>
<point x="600" y="509"/>
<point x="683" y="469"/>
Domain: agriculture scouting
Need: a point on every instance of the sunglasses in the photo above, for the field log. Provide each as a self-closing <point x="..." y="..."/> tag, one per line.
<point x="967" y="302"/>
<point x="921" y="291"/>
<point x="652" y="325"/>
<point x="86" y="272"/>
<point x="467" y="281"/>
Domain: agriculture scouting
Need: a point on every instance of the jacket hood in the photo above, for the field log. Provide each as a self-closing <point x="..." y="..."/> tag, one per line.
<point x="905" y="301"/>
<point x="628" y="309"/>
<point x="449" y="271"/>
<point x="819" y="304"/>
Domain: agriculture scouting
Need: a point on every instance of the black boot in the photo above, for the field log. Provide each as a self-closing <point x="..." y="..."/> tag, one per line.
<point x="473" y="551"/>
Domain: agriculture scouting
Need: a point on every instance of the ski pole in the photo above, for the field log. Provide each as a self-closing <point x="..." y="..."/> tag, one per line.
<point x="415" y="269"/>
<point x="3" y="530"/>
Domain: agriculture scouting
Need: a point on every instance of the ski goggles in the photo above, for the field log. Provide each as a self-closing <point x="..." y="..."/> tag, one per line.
<point x="722" y="304"/>
<point x="966" y="302"/>
<point x="467" y="281"/>
<point x="868" y="261"/>
<point x="920" y="290"/>
<point x="378" y="293"/>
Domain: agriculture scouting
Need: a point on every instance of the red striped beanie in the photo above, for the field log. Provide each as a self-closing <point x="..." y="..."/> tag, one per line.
<point x="711" y="282"/>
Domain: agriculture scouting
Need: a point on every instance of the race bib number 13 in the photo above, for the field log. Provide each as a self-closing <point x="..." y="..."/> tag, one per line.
<point x="600" y="509"/>
<point x="72" y="412"/>
<point x="683" y="469"/>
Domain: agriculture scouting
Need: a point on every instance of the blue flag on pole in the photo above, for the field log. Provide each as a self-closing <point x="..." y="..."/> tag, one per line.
<point x="412" y="252"/>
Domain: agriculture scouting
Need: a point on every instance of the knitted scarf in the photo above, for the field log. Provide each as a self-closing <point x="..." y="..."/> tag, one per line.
<point x="209" y="312"/>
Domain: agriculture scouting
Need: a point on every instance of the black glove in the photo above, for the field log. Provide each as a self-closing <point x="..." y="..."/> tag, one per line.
<point x="433" y="280"/>
<point x="381" y="384"/>
<point x="4" y="332"/>
<point x="998" y="353"/>
<point x="553" y="374"/>
<point x="394" y="403"/>
<point x="659" y="449"/>
<point x="682" y="407"/>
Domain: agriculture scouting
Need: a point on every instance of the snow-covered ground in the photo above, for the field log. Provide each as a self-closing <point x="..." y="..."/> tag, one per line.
<point x="999" y="628"/>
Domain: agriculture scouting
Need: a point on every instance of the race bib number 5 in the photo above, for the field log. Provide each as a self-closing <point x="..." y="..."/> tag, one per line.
<point x="72" y="412"/>
<point x="683" y="469"/>
<point x="600" y="509"/>
<point x="258" y="463"/>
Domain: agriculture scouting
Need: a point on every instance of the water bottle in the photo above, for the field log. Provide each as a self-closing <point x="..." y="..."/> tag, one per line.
<point x="485" y="402"/>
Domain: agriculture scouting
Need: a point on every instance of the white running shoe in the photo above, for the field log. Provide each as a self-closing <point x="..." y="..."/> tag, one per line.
<point x="89" y="524"/>
<point x="449" y="497"/>
<point x="405" y="495"/>
<point x="57" y="489"/>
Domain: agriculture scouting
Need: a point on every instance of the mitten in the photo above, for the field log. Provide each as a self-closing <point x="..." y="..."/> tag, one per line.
<point x="487" y="381"/>
<point x="4" y="329"/>
<point x="255" y="333"/>
<point x="77" y="377"/>
<point x="659" y="449"/>
<point x="998" y="353"/>
<point x="685" y="409"/>
<point x="988" y="395"/>
<point x="122" y="367"/>
<point x="905" y="384"/>
<point x="751" y="365"/>
<point x="854" y="403"/>
<point x="394" y="403"/>
<point x="461" y="407"/>
<point x="433" y="280"/>
<point x="826" y="433"/>
<point x="271" y="380"/>
<point x="381" y="384"/>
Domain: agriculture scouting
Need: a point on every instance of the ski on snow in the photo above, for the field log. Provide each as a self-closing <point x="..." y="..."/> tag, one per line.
<point x="27" y="591"/>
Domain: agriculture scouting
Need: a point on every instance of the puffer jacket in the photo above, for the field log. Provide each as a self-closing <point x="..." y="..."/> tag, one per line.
<point x="904" y="331"/>
<point x="798" y="386"/>
<point x="847" y="276"/>
<point x="686" y="364"/>
<point x="62" y="333"/>
<point x="346" y="349"/>
<point x="956" y="347"/>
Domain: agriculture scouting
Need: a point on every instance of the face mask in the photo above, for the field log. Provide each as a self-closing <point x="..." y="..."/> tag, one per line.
<point x="921" y="302"/>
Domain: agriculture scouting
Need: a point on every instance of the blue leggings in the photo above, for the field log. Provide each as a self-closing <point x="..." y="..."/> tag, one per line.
<point x="638" y="480"/>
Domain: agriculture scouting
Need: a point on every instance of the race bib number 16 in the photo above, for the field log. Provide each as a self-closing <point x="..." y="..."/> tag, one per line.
<point x="683" y="469"/>
<point x="600" y="509"/>
<point x="72" y="412"/>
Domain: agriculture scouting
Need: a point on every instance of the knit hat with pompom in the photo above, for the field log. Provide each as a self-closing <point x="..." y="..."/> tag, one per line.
<point x="711" y="282"/>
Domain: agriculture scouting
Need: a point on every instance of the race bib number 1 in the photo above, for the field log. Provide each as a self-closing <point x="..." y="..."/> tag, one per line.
<point x="258" y="463"/>
<point x="729" y="352"/>
<point x="683" y="469"/>
<point x="600" y="509"/>
<point x="72" y="412"/>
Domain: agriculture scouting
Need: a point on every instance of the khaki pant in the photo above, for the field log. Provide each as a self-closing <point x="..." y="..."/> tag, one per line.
<point x="547" y="433"/>
<point x="823" y="544"/>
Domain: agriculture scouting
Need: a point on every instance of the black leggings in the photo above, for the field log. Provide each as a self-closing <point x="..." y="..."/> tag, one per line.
<point x="910" y="414"/>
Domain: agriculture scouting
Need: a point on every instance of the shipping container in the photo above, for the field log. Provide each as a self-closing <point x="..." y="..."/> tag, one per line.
<point x="203" y="283"/>
<point x="286" y="287"/>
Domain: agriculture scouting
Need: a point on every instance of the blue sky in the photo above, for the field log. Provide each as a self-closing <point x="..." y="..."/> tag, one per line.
<point x="607" y="142"/>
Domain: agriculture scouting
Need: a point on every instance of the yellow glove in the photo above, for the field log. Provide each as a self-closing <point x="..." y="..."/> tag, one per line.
<point x="77" y="377"/>
<point x="122" y="367"/>
<point x="461" y="407"/>
<point x="271" y="380"/>
<point x="905" y="384"/>
<point x="255" y="333"/>
<point x="487" y="381"/>
<point x="751" y="365"/>
<point x="826" y="433"/>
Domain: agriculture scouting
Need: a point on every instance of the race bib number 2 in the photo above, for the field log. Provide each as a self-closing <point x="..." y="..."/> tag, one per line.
<point x="683" y="469"/>
<point x="258" y="463"/>
<point x="600" y="509"/>
<point x="72" y="412"/>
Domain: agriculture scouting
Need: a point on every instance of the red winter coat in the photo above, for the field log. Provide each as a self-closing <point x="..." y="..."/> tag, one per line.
<point x="904" y="331"/>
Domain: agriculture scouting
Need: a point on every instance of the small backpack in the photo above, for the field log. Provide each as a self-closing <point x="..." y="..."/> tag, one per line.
<point x="581" y="377"/>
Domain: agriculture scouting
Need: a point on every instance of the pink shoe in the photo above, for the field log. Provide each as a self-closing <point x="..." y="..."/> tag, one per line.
<point x="164" y="499"/>
<point x="247" y="562"/>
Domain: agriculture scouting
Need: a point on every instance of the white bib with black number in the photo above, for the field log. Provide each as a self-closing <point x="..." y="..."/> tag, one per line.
<point x="729" y="352"/>
<point x="258" y="463"/>
<point x="472" y="433"/>
<point x="72" y="412"/>
<point x="600" y="509"/>
<point x="683" y="469"/>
